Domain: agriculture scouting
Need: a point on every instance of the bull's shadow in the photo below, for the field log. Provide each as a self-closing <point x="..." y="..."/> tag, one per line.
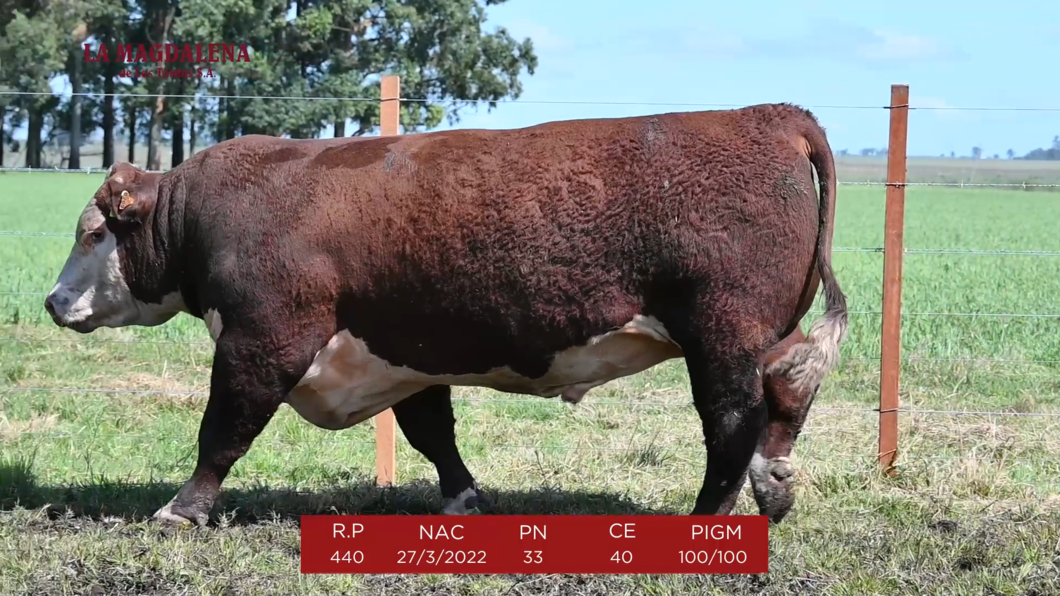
<point x="138" y="501"/>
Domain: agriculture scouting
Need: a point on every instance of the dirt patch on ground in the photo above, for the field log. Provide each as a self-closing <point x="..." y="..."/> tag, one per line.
<point x="13" y="429"/>
<point x="157" y="389"/>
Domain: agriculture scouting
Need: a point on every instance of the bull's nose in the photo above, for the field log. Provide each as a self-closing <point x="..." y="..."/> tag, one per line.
<point x="53" y="301"/>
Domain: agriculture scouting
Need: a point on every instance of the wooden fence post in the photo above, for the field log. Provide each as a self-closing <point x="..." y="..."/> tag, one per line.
<point x="385" y="428"/>
<point x="893" y="247"/>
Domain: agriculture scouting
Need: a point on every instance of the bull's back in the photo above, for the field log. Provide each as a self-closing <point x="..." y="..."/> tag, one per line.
<point x="564" y="224"/>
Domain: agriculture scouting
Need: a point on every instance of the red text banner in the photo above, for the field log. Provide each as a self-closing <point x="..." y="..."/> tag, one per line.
<point x="503" y="544"/>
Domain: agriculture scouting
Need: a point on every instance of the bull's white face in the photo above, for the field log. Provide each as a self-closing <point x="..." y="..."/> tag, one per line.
<point x="91" y="291"/>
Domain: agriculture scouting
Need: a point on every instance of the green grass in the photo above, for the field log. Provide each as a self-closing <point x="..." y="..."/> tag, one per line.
<point x="960" y="170"/>
<point x="974" y="509"/>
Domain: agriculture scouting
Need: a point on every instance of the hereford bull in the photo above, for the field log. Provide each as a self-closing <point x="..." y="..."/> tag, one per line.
<point x="348" y="276"/>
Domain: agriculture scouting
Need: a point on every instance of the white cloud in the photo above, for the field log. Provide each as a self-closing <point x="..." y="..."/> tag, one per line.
<point x="892" y="45"/>
<point x="940" y="109"/>
<point x="839" y="41"/>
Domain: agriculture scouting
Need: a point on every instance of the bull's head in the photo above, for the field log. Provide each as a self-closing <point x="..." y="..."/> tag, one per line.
<point x="113" y="236"/>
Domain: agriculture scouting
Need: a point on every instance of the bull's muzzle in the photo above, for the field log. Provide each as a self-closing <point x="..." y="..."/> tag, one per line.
<point x="57" y="305"/>
<point x="53" y="304"/>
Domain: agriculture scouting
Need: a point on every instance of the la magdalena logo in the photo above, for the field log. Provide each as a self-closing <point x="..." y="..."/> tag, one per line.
<point x="192" y="55"/>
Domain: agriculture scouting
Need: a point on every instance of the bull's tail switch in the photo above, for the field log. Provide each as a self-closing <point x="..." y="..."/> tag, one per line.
<point x="806" y="364"/>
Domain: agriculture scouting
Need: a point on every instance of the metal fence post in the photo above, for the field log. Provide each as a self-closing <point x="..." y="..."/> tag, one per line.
<point x="385" y="427"/>
<point x="893" y="247"/>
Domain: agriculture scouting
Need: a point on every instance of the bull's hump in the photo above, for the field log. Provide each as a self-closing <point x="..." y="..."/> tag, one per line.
<point x="347" y="384"/>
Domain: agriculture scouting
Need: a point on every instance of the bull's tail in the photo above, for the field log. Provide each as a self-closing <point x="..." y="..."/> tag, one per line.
<point x="806" y="364"/>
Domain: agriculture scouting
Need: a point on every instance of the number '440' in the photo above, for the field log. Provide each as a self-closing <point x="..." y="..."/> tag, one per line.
<point x="350" y="556"/>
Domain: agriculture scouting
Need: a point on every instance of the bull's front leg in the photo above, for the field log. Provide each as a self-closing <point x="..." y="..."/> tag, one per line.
<point x="252" y="375"/>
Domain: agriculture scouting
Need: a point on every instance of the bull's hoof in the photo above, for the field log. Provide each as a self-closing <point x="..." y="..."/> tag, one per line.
<point x="466" y="503"/>
<point x="174" y="515"/>
<point x="771" y="483"/>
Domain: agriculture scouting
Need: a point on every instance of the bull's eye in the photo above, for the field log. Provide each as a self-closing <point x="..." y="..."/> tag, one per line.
<point x="90" y="239"/>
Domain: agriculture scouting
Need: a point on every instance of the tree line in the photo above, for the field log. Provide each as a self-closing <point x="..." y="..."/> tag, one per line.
<point x="302" y="49"/>
<point x="1052" y="153"/>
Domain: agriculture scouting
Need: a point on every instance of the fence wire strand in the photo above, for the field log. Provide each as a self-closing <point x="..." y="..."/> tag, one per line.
<point x="988" y="315"/>
<point x="1024" y="185"/>
<point x="590" y="102"/>
<point x="855" y="249"/>
<point x="205" y="343"/>
<point x="953" y="184"/>
<point x="542" y="401"/>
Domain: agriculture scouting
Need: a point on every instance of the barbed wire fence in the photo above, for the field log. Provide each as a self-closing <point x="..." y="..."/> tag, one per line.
<point x="890" y="358"/>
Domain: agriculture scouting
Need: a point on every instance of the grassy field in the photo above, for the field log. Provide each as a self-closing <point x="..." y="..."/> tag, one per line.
<point x="851" y="167"/>
<point x="975" y="508"/>
<point x="953" y="171"/>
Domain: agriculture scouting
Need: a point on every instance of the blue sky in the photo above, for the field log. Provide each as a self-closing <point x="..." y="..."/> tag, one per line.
<point x="816" y="53"/>
<point x="812" y="52"/>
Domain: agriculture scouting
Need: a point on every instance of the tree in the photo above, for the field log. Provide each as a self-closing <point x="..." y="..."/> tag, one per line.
<point x="4" y="129"/>
<point x="155" y="27"/>
<point x="977" y="152"/>
<point x="32" y="51"/>
<point x="87" y="21"/>
<point x="76" y="61"/>
<point x="338" y="48"/>
<point x="72" y="15"/>
<point x="1053" y="153"/>
<point x="1010" y="153"/>
<point x="330" y="49"/>
<point x="107" y="25"/>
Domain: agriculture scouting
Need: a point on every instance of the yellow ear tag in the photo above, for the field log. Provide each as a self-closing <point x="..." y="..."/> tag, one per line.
<point x="126" y="200"/>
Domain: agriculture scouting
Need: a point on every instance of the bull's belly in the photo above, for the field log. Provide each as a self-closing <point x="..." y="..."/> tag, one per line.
<point x="346" y="384"/>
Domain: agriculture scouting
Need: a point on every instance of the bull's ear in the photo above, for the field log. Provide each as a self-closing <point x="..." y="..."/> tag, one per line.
<point x="131" y="193"/>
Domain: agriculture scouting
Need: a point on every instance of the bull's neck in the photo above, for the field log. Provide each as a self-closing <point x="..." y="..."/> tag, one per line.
<point x="157" y="262"/>
<point x="177" y="254"/>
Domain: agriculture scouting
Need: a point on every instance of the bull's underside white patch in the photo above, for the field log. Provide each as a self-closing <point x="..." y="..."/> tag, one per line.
<point x="347" y="384"/>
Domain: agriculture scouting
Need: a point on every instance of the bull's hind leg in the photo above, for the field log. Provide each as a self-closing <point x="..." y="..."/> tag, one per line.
<point x="427" y="421"/>
<point x="727" y="392"/>
<point x="771" y="472"/>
